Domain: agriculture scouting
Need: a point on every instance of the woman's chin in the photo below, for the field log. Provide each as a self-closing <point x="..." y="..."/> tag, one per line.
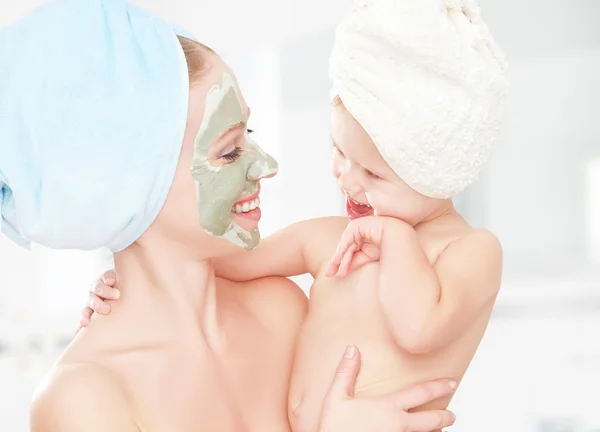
<point x="247" y="220"/>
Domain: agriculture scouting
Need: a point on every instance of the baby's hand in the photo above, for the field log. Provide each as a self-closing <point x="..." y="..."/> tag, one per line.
<point x="359" y="245"/>
<point x="102" y="289"/>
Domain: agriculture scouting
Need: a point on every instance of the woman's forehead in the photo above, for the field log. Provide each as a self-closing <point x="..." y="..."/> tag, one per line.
<point x="214" y="77"/>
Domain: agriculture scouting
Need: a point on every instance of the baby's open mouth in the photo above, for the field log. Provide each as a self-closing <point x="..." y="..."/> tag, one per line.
<point x="356" y="210"/>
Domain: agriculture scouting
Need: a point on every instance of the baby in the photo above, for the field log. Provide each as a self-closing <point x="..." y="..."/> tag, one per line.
<point x="417" y="94"/>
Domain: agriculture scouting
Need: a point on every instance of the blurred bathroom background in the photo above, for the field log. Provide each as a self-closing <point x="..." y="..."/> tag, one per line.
<point x="538" y="367"/>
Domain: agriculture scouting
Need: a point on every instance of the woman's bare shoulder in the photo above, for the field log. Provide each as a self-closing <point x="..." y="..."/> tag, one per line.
<point x="75" y="397"/>
<point x="279" y="302"/>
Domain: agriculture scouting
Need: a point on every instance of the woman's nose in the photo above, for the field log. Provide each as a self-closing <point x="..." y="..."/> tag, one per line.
<point x="263" y="166"/>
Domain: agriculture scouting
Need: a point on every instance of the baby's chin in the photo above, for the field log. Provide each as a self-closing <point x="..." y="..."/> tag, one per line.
<point x="408" y="216"/>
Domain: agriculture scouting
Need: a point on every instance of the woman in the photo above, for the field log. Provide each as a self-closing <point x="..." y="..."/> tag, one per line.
<point x="183" y="350"/>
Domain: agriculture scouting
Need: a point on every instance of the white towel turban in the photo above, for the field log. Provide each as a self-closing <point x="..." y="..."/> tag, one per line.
<point x="426" y="81"/>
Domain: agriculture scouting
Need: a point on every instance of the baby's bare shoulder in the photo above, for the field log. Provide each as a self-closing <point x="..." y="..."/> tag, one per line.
<point x="474" y="241"/>
<point x="473" y="259"/>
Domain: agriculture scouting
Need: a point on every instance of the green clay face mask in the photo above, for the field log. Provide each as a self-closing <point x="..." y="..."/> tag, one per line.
<point x="220" y="187"/>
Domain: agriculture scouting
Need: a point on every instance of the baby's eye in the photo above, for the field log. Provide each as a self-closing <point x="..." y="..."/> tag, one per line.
<point x="371" y="174"/>
<point x="336" y="149"/>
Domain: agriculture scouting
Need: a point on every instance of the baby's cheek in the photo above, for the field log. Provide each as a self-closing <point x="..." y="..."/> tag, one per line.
<point x="382" y="205"/>
<point x="335" y="165"/>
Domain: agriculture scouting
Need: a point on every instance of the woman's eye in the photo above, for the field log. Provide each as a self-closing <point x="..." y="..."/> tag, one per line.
<point x="233" y="155"/>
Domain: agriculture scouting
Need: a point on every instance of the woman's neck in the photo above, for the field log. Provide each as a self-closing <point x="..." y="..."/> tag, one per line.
<point x="164" y="293"/>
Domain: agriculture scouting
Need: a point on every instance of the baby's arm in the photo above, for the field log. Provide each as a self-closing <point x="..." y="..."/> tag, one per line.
<point x="430" y="306"/>
<point x="427" y="306"/>
<point x="304" y="247"/>
<point x="292" y="251"/>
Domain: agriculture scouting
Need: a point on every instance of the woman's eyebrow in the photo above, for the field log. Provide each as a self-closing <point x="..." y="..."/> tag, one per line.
<point x="230" y="129"/>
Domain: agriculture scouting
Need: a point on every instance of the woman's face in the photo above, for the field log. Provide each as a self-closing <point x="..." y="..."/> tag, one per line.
<point x="218" y="179"/>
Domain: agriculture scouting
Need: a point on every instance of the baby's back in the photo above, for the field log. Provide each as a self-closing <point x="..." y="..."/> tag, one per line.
<point x="347" y="312"/>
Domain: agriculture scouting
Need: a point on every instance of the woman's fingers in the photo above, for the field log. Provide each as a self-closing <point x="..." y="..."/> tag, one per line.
<point x="104" y="291"/>
<point x="344" y="381"/>
<point x="109" y="278"/>
<point x="84" y="318"/>
<point x="428" y="421"/>
<point x="98" y="305"/>
<point x="421" y="394"/>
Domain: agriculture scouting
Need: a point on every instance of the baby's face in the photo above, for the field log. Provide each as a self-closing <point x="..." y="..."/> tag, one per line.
<point x="371" y="187"/>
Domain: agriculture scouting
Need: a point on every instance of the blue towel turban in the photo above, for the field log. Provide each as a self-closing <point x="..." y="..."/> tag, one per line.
<point x="93" y="107"/>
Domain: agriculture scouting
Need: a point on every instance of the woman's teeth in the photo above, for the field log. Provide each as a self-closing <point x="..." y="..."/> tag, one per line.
<point x="247" y="206"/>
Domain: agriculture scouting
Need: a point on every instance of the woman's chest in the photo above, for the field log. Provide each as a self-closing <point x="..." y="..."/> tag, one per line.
<point x="243" y="388"/>
<point x="213" y="408"/>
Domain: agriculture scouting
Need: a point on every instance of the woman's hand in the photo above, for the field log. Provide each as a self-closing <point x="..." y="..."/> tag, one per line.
<point x="103" y="289"/>
<point x="389" y="413"/>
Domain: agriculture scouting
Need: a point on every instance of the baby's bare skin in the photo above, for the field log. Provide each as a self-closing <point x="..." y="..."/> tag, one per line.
<point x="349" y="311"/>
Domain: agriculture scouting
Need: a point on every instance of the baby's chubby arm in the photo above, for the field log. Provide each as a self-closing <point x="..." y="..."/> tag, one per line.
<point x="304" y="247"/>
<point x="427" y="306"/>
<point x="297" y="249"/>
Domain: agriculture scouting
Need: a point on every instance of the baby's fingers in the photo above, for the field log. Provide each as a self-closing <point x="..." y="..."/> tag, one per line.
<point x="336" y="261"/>
<point x="332" y="269"/>
<point x="359" y="259"/>
<point x="346" y="260"/>
<point x="345" y="243"/>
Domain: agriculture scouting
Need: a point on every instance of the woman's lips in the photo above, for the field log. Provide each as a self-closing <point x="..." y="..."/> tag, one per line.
<point x="246" y="213"/>
<point x="356" y="210"/>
